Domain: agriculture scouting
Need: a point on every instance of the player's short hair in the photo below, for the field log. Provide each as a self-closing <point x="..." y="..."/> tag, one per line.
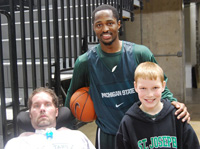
<point x="106" y="7"/>
<point x="149" y="70"/>
<point x="45" y="90"/>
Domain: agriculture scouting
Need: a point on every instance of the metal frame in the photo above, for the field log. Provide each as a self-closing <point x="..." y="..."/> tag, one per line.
<point x="71" y="33"/>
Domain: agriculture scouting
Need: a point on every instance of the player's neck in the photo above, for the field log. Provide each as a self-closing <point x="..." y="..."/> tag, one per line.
<point x="152" y="111"/>
<point x="113" y="48"/>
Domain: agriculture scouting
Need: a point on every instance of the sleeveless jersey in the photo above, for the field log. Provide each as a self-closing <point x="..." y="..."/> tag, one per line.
<point x="112" y="92"/>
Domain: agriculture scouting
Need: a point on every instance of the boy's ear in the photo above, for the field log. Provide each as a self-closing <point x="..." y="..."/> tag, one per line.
<point x="164" y="85"/>
<point x="135" y="86"/>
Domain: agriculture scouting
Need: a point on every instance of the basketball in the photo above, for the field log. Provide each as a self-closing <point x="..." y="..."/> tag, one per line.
<point x="82" y="106"/>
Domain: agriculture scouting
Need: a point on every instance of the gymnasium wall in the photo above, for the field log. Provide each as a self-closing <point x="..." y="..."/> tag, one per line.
<point x="160" y="27"/>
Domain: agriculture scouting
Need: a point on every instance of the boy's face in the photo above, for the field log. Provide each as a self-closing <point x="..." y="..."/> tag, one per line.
<point x="149" y="92"/>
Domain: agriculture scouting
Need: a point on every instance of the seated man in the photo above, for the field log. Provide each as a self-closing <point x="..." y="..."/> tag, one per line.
<point x="43" y="110"/>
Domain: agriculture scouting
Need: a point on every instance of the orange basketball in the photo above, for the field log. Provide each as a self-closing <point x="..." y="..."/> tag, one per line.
<point x="82" y="106"/>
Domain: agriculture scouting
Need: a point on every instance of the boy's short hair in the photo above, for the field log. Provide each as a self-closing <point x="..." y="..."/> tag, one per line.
<point x="149" y="70"/>
<point x="106" y="7"/>
<point x="45" y="90"/>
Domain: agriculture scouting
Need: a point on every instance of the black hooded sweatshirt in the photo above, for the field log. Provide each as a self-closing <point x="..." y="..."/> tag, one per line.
<point x="138" y="131"/>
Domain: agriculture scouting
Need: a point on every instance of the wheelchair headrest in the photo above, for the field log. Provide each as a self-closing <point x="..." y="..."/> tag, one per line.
<point x="64" y="117"/>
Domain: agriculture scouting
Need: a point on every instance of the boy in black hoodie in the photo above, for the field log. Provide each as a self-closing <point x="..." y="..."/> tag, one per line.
<point x="151" y="122"/>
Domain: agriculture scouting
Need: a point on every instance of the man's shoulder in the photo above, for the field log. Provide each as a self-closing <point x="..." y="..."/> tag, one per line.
<point x="128" y="43"/>
<point x="14" y="143"/>
<point x="141" y="48"/>
<point x="82" y="61"/>
<point x="142" y="51"/>
<point x="75" y="138"/>
<point x="137" y="48"/>
<point x="84" y="57"/>
<point x="69" y="131"/>
<point x="26" y="134"/>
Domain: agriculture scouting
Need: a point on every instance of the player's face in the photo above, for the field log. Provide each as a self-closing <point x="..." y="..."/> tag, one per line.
<point x="149" y="92"/>
<point x="106" y="27"/>
<point x="43" y="113"/>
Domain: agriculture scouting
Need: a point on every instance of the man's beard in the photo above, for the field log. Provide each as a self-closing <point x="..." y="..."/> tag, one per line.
<point x="108" y="43"/>
<point x="44" y="123"/>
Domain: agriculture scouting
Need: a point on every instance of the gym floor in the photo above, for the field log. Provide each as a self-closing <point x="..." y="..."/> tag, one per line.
<point x="193" y="105"/>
